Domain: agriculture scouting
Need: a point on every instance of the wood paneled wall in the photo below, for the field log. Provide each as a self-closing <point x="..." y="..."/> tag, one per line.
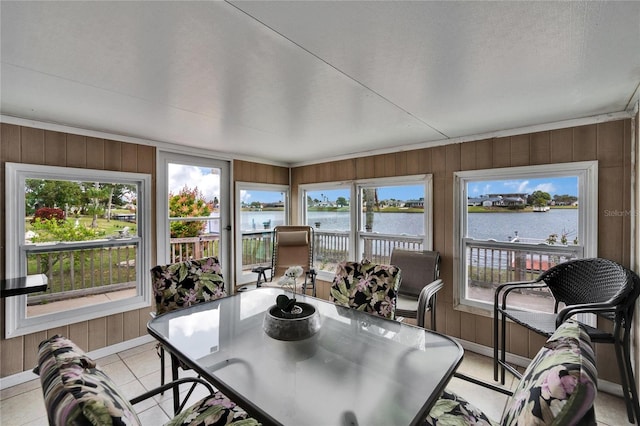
<point x="247" y="171"/>
<point x="609" y="143"/>
<point x="20" y="144"/>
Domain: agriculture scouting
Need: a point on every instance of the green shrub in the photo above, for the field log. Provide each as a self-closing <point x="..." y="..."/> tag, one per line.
<point x="56" y="230"/>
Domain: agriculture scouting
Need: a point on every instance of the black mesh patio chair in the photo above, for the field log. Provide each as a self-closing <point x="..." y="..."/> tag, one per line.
<point x="595" y="285"/>
<point x="420" y="284"/>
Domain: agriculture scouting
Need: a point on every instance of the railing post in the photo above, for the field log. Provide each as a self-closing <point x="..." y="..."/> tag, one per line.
<point x="520" y="265"/>
<point x="197" y="248"/>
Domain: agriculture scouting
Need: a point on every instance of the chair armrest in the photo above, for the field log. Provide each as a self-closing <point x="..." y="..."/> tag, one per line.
<point x="171" y="385"/>
<point x="426" y="298"/>
<point x="428" y="292"/>
<point x="507" y="288"/>
<point x="585" y="308"/>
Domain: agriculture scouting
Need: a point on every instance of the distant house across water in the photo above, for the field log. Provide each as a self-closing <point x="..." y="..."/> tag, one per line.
<point x="498" y="200"/>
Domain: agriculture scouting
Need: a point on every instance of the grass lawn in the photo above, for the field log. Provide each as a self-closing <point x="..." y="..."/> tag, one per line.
<point x="107" y="228"/>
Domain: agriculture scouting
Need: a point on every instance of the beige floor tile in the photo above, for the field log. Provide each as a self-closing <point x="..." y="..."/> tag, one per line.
<point x="151" y="381"/>
<point x="481" y="367"/>
<point x="42" y="421"/>
<point x="144" y="363"/>
<point x="153" y="416"/>
<point x="133" y="389"/>
<point x="119" y="372"/>
<point x="18" y="389"/>
<point x="108" y="359"/>
<point x="23" y="408"/>
<point x="610" y="410"/>
<point x="147" y="347"/>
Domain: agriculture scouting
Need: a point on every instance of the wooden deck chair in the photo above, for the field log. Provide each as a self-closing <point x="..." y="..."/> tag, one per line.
<point x="292" y="246"/>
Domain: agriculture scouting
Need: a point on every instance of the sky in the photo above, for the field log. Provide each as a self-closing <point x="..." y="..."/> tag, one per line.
<point x="554" y="186"/>
<point x="208" y="182"/>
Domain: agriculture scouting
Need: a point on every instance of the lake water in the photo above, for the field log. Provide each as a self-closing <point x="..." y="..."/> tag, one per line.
<point x="482" y="226"/>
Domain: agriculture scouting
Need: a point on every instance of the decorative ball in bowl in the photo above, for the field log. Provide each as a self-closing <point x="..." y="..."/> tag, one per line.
<point x="291" y="320"/>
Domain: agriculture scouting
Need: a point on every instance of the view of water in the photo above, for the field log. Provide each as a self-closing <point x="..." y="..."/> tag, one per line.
<point x="482" y="226"/>
<point x="502" y="226"/>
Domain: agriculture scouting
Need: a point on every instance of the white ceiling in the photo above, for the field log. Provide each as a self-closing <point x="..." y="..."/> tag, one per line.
<point x="298" y="81"/>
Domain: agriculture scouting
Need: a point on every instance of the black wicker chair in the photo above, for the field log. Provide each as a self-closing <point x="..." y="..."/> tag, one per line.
<point x="596" y="285"/>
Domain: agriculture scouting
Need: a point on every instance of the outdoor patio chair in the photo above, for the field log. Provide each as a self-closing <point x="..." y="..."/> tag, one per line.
<point x="595" y="285"/>
<point x="366" y="286"/>
<point x="78" y="392"/>
<point x="292" y="246"/>
<point x="420" y="284"/>
<point x="182" y="284"/>
<point x="559" y="387"/>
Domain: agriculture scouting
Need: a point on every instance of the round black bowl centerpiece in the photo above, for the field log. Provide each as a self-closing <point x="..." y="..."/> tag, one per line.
<point x="301" y="322"/>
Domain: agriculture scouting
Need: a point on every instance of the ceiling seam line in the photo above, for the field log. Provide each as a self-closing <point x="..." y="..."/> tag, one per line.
<point x="337" y="69"/>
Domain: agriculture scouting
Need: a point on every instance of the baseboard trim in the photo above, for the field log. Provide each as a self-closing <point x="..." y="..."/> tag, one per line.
<point x="25" y="376"/>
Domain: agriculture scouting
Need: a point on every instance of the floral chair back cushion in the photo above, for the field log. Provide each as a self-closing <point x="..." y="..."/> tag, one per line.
<point x="367" y="287"/>
<point x="76" y="391"/>
<point x="560" y="384"/>
<point x="558" y="388"/>
<point x="183" y="284"/>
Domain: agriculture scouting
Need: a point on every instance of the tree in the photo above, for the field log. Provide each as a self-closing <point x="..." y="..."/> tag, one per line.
<point x="565" y="199"/>
<point x="188" y="203"/>
<point x="370" y="199"/>
<point x="539" y="198"/>
<point x="341" y="202"/>
<point x="96" y="199"/>
<point x="51" y="193"/>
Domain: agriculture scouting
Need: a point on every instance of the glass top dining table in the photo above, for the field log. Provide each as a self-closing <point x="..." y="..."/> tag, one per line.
<point x="358" y="369"/>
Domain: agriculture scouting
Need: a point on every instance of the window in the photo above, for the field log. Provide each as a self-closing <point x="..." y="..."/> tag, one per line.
<point x="516" y="222"/>
<point x="392" y="214"/>
<point x="367" y="219"/>
<point x="259" y="208"/>
<point x="87" y="231"/>
<point x="327" y="208"/>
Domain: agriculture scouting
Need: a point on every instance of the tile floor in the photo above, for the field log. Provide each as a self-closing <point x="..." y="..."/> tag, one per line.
<point x="138" y="369"/>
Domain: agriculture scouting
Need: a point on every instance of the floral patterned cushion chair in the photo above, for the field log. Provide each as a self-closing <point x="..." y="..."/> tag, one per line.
<point x="77" y="392"/>
<point x="557" y="388"/>
<point x="183" y="284"/>
<point x="367" y="287"/>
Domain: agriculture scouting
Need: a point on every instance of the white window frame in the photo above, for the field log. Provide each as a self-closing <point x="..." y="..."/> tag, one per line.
<point x="164" y="158"/>
<point x="427" y="180"/>
<point x="252" y="186"/>
<point x="587" y="173"/>
<point x="16" y="321"/>
<point x="354" y="187"/>
<point x="302" y="214"/>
